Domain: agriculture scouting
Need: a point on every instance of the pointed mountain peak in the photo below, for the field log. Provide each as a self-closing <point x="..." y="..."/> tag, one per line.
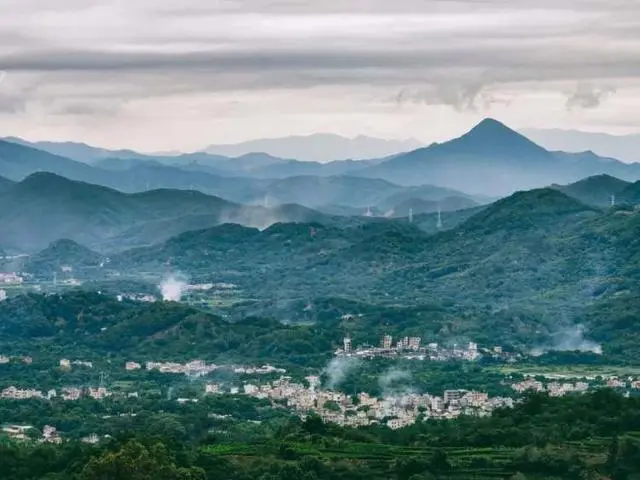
<point x="491" y="125"/>
<point x="493" y="129"/>
<point x="493" y="138"/>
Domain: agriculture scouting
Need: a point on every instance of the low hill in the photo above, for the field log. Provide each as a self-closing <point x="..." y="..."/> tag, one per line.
<point x="597" y="190"/>
<point x="540" y="209"/>
<point x="91" y="324"/>
<point x="63" y="255"/>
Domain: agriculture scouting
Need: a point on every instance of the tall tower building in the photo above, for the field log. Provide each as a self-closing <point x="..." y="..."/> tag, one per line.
<point x="347" y="345"/>
<point x="386" y="342"/>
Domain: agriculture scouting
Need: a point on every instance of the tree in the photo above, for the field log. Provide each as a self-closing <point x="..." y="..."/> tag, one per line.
<point x="134" y="461"/>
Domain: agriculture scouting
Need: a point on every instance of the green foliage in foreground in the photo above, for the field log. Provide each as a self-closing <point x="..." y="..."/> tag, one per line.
<point x="587" y="437"/>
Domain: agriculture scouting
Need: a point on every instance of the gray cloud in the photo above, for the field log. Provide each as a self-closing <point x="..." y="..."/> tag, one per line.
<point x="114" y="57"/>
<point x="589" y="96"/>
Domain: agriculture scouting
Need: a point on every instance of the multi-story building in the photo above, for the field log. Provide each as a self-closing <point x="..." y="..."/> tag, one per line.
<point x="386" y="342"/>
<point x="453" y="396"/>
<point x="414" y="343"/>
<point x="347" y="345"/>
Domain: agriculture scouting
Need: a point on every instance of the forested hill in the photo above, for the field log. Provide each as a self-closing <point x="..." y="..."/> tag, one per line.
<point x="532" y="247"/>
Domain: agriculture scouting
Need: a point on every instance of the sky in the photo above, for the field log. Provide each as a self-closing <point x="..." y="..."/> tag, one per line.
<point x="159" y="75"/>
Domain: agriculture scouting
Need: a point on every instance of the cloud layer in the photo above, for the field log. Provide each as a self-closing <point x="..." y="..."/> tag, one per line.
<point x="99" y="69"/>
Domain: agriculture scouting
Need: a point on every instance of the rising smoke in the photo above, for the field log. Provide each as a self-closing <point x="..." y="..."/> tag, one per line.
<point x="172" y="288"/>
<point x="569" y="339"/>
<point x="338" y="369"/>
<point x="395" y="382"/>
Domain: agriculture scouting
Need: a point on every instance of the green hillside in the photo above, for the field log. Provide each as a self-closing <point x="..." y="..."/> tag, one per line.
<point x="45" y="207"/>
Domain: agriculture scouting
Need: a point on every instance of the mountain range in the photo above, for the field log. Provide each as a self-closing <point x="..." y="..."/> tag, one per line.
<point x="135" y="175"/>
<point x="491" y="160"/>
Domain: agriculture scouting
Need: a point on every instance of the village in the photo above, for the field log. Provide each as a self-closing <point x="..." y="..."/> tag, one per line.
<point x="395" y="410"/>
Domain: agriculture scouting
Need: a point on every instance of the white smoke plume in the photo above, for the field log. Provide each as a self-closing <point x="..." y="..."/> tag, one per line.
<point x="395" y="382"/>
<point x="569" y="339"/>
<point x="172" y="288"/>
<point x="338" y="368"/>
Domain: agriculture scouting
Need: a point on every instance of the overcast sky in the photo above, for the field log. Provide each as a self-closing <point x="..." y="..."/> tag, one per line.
<point x="182" y="74"/>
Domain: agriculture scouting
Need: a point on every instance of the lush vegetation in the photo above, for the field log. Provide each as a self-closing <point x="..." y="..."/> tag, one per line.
<point x="586" y="437"/>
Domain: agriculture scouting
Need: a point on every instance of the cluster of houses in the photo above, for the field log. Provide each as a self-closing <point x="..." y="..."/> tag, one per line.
<point x="11" y="278"/>
<point x="49" y="434"/>
<point x="67" y="393"/>
<point x="200" y="368"/>
<point x="396" y="411"/>
<point x="4" y="359"/>
<point x="559" y="389"/>
<point x="410" y="348"/>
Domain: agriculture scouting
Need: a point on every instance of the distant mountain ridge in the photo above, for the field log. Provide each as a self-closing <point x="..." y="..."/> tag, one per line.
<point x="319" y="147"/>
<point x="80" y="152"/>
<point x="623" y="147"/>
<point x="490" y="160"/>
